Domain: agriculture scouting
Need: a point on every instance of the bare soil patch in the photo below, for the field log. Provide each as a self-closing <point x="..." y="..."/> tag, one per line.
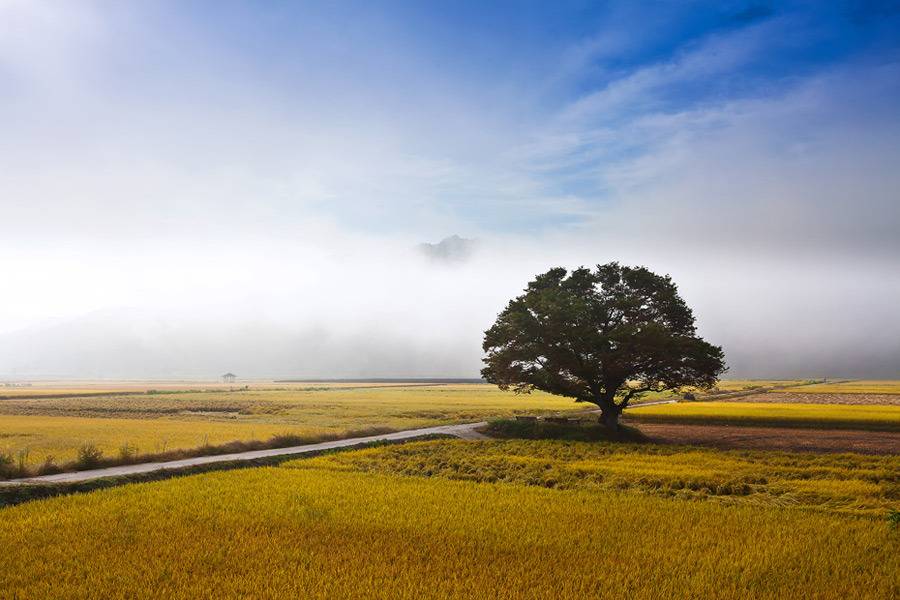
<point x="728" y="437"/>
<point x="800" y="398"/>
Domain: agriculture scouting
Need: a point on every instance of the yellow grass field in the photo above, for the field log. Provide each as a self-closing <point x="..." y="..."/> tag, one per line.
<point x="885" y="418"/>
<point x="847" y="483"/>
<point x="737" y="385"/>
<point x="323" y="529"/>
<point x="88" y="388"/>
<point x="729" y="386"/>
<point x="60" y="437"/>
<point x="850" y="387"/>
<point x="181" y="419"/>
<point x="58" y="427"/>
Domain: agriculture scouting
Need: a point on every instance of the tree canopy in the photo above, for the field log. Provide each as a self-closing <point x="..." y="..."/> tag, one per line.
<point x="604" y="336"/>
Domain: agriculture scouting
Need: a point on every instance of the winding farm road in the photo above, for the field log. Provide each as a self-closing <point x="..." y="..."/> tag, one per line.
<point x="465" y="431"/>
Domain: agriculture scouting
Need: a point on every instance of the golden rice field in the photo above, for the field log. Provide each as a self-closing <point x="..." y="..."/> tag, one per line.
<point x="27" y="392"/>
<point x="730" y="386"/>
<point x="287" y="405"/>
<point x="339" y="527"/>
<point x="737" y="385"/>
<point x="61" y="437"/>
<point x="851" y="387"/>
<point x="181" y="419"/>
<point x="58" y="427"/>
<point x="86" y="388"/>
<point x="847" y="483"/>
<point x="874" y="417"/>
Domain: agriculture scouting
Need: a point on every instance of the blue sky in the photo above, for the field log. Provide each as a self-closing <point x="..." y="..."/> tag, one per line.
<point x="519" y="115"/>
<point x="169" y="160"/>
<point x="552" y="91"/>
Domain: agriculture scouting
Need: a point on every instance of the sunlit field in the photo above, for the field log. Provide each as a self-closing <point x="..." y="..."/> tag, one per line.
<point x="61" y="437"/>
<point x="35" y="430"/>
<point x="448" y="299"/>
<point x="737" y="385"/>
<point x="151" y="423"/>
<point x="851" y="387"/>
<point x="90" y="388"/>
<point x="730" y="386"/>
<point x="313" y="405"/>
<point x="885" y="418"/>
<point x="394" y="523"/>
<point x="87" y="388"/>
<point x="847" y="483"/>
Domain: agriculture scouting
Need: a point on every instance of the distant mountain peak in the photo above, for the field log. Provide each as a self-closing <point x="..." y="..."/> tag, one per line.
<point x="452" y="249"/>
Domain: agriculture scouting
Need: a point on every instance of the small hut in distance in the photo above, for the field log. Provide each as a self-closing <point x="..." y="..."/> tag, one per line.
<point x="229" y="377"/>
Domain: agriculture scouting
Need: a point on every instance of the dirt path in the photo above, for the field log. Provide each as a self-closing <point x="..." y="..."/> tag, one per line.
<point x="734" y="437"/>
<point x="716" y="436"/>
<point x="466" y="431"/>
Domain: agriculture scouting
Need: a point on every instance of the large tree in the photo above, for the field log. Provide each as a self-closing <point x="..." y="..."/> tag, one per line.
<point x="605" y="336"/>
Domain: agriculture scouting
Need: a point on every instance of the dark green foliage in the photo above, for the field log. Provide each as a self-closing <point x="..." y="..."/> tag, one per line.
<point x="604" y="336"/>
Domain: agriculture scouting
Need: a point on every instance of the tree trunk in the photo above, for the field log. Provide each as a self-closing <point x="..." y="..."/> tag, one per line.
<point x="610" y="418"/>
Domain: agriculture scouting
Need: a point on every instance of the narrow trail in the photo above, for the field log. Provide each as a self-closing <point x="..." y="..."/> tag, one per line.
<point x="465" y="431"/>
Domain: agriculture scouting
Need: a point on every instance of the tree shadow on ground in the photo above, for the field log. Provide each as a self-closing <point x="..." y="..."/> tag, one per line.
<point x="582" y="430"/>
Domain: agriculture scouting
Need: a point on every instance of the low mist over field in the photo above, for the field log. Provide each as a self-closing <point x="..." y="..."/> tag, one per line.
<point x="341" y="194"/>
